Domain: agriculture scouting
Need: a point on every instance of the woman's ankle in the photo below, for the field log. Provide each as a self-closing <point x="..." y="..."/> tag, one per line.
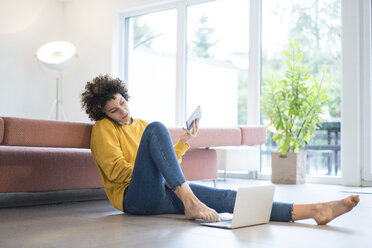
<point x="304" y="211"/>
<point x="185" y="194"/>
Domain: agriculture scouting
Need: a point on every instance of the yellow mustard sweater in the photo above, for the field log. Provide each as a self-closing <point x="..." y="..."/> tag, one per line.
<point x="114" y="149"/>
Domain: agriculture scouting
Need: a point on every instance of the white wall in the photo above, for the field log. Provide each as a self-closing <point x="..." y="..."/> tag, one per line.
<point x="26" y="88"/>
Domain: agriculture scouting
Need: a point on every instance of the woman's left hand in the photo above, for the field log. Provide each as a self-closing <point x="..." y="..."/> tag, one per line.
<point x="188" y="135"/>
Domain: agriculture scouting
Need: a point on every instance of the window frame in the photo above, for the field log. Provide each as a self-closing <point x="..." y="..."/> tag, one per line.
<point x="120" y="46"/>
<point x="356" y="97"/>
<point x="366" y="7"/>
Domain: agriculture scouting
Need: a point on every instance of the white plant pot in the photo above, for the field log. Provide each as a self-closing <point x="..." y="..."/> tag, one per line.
<point x="290" y="169"/>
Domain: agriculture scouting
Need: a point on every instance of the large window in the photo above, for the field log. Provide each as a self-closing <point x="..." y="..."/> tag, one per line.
<point x="215" y="63"/>
<point x="317" y="26"/>
<point x="217" y="54"/>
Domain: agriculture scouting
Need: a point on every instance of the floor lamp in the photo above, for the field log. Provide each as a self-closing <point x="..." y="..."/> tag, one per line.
<point x="56" y="55"/>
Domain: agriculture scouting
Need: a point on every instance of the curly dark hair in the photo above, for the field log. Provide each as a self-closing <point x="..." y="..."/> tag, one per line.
<point x="98" y="91"/>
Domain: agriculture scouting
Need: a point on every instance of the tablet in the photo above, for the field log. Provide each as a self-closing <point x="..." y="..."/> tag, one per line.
<point x="194" y="116"/>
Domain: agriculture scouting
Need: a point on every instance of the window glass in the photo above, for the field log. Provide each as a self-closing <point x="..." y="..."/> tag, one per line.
<point x="317" y="26"/>
<point x="152" y="66"/>
<point x="217" y="61"/>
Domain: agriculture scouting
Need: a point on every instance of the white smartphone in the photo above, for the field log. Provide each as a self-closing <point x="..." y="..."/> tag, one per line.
<point x="194" y="116"/>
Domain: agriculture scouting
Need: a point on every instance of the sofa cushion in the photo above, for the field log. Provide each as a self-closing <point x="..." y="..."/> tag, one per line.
<point x="39" y="169"/>
<point x="208" y="137"/>
<point x="45" y="133"/>
<point x="35" y="169"/>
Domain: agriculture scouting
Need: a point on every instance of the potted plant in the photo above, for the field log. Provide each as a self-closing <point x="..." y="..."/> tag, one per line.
<point x="292" y="105"/>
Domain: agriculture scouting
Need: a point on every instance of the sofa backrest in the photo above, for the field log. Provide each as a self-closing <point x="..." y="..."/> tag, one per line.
<point x="253" y="135"/>
<point x="49" y="133"/>
<point x="44" y="133"/>
<point x="209" y="137"/>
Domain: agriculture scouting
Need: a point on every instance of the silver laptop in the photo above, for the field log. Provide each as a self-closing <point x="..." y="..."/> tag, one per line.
<point x="252" y="207"/>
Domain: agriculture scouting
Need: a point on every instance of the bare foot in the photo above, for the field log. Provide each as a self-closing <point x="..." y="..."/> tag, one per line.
<point x="194" y="208"/>
<point x="330" y="210"/>
<point x="197" y="210"/>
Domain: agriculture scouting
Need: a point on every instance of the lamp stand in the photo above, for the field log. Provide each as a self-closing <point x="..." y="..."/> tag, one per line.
<point x="57" y="102"/>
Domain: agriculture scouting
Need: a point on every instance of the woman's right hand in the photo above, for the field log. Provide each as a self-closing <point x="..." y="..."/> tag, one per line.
<point x="188" y="135"/>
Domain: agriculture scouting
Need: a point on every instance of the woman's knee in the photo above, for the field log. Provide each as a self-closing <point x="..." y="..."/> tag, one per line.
<point x="157" y="126"/>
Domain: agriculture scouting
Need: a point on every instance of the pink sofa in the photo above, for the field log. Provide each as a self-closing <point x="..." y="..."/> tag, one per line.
<point x="41" y="155"/>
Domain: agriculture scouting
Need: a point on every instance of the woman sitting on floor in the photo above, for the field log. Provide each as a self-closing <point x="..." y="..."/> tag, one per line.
<point x="140" y="167"/>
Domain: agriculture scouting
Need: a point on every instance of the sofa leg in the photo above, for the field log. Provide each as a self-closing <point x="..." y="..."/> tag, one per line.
<point x="215" y="183"/>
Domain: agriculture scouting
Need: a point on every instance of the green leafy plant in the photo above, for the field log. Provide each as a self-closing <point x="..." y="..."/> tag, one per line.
<point x="293" y="103"/>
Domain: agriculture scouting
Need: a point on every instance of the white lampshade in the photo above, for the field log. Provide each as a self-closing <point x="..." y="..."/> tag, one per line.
<point x="56" y="54"/>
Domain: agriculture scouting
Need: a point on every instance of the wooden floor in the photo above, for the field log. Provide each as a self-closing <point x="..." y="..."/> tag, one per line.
<point x="97" y="224"/>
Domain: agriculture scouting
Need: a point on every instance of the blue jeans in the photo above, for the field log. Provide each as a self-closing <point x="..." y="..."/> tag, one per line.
<point x="156" y="160"/>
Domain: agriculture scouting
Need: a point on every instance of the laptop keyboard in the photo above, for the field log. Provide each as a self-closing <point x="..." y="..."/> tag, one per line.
<point x="226" y="216"/>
